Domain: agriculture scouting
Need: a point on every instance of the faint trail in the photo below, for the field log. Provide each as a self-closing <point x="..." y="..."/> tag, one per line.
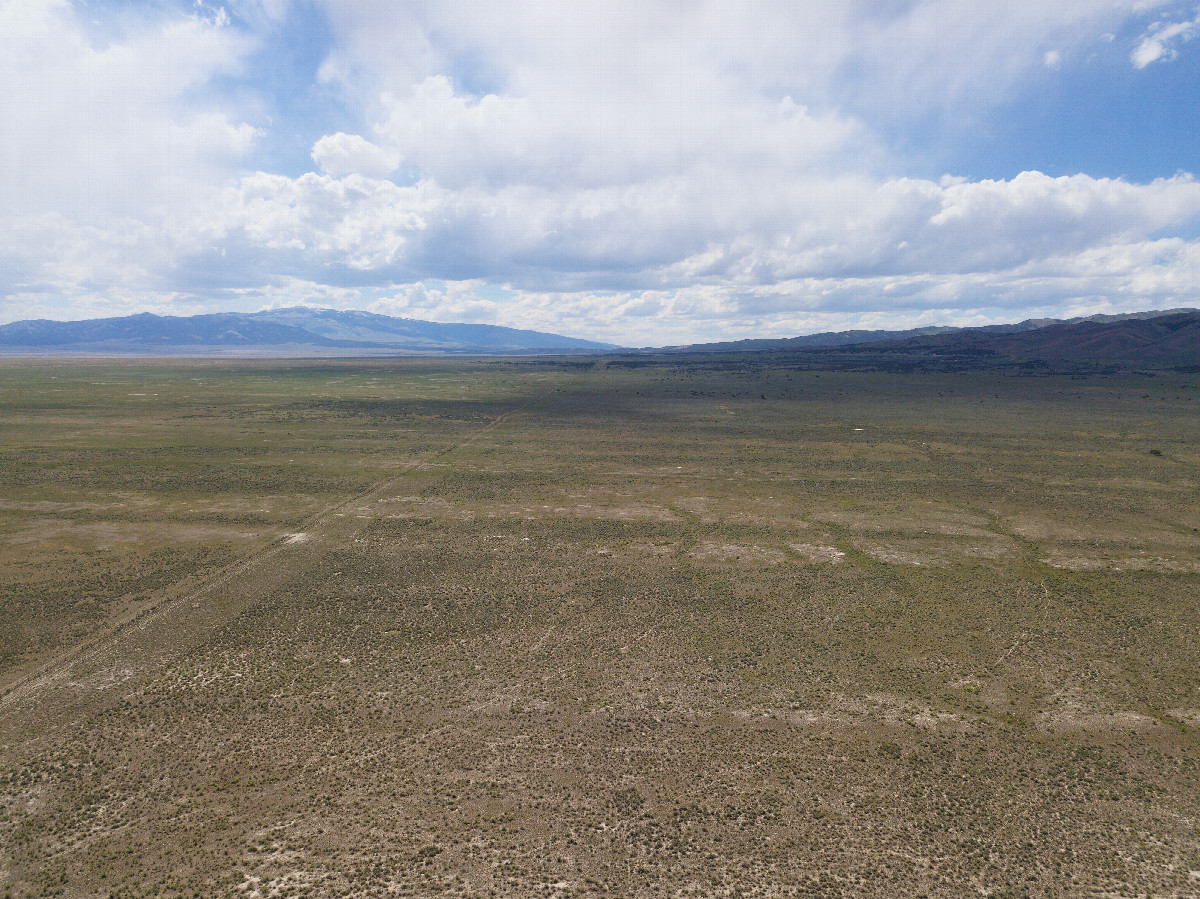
<point x="540" y="643"/>
<point x="103" y="647"/>
<point x="1021" y="639"/>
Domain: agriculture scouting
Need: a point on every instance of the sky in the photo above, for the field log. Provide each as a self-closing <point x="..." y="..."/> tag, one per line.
<point x="644" y="173"/>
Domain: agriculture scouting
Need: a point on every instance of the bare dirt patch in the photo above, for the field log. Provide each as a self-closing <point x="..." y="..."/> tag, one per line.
<point x="818" y="553"/>
<point x="748" y="554"/>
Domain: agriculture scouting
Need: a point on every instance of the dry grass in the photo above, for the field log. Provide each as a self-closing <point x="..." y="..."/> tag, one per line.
<point x="673" y="631"/>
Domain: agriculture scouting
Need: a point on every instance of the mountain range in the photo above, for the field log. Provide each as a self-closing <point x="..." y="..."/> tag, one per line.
<point x="1167" y="339"/>
<point x="848" y="338"/>
<point x="294" y="331"/>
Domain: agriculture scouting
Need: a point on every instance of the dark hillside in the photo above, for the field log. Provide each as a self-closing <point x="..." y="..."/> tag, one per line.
<point x="1145" y="342"/>
<point x="1163" y="342"/>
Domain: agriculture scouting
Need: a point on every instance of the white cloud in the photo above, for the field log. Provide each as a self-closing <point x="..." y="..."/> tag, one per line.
<point x="317" y="220"/>
<point x="534" y="91"/>
<point x="607" y="136"/>
<point x="97" y="126"/>
<point x="1161" y="39"/>
<point x="107" y="147"/>
<point x="755" y="248"/>
<point x="1155" y="274"/>
<point x="269" y="12"/>
<point x="345" y="154"/>
<point x="645" y="170"/>
<point x="457" y="301"/>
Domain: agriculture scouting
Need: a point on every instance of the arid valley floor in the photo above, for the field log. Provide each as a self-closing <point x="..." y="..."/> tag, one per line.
<point x="530" y="628"/>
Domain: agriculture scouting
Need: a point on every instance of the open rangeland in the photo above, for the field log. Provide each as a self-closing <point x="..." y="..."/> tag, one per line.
<point x="534" y="628"/>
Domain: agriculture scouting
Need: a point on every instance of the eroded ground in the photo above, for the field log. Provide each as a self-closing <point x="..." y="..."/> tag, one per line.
<point x="525" y="629"/>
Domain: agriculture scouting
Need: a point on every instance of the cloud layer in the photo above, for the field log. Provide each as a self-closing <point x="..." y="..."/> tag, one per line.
<point x="634" y="172"/>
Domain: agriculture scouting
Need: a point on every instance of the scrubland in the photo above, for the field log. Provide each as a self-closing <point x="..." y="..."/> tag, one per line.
<point x="478" y="628"/>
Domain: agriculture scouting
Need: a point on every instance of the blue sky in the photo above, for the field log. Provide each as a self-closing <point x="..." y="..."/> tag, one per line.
<point x="644" y="173"/>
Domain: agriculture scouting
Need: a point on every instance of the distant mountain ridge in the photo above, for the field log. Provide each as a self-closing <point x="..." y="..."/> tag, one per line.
<point x="296" y="330"/>
<point x="850" y="338"/>
<point x="1146" y="341"/>
<point x="1168" y="339"/>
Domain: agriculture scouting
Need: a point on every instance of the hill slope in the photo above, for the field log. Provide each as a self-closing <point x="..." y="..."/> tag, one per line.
<point x="1169" y="341"/>
<point x="1144" y="340"/>
<point x="296" y="330"/>
<point x="852" y="338"/>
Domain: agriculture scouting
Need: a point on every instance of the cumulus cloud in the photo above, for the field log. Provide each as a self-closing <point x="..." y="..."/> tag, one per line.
<point x="675" y="233"/>
<point x="107" y="146"/>
<point x="102" y="123"/>
<point x="356" y="222"/>
<point x="1161" y="40"/>
<point x="543" y="92"/>
<point x="345" y="154"/>
<point x="616" y="170"/>
<point x="457" y="301"/>
<point x="556" y="137"/>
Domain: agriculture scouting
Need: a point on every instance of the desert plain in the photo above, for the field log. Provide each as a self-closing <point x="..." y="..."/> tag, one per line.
<point x="590" y="627"/>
